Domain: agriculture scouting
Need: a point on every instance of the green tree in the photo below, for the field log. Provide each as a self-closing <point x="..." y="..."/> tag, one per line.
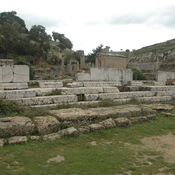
<point x="91" y="57"/>
<point x="63" y="42"/>
<point x="40" y="39"/>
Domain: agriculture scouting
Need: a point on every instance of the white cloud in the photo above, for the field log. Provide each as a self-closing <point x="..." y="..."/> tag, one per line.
<point x="120" y="24"/>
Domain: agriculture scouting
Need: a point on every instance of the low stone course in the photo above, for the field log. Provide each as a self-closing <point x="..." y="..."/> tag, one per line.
<point x="17" y="140"/>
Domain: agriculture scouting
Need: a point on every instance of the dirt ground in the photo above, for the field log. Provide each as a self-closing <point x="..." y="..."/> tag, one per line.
<point x="164" y="144"/>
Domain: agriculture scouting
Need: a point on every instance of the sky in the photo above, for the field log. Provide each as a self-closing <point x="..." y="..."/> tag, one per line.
<point x="119" y="24"/>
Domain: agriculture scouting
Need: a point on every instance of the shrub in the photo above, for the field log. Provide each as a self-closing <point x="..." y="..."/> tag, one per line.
<point x="138" y="75"/>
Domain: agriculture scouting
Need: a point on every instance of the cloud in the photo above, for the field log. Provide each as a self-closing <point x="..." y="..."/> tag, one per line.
<point x="161" y="17"/>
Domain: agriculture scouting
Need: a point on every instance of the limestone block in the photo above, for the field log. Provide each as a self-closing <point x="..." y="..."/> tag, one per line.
<point x="82" y="77"/>
<point x="0" y="74"/>
<point x="8" y="86"/>
<point x="35" y="138"/>
<point x="122" y="122"/>
<point x="21" y="86"/>
<point x="50" y="84"/>
<point x="52" y="136"/>
<point x="72" y="85"/>
<point x="17" y="140"/>
<point x="19" y="94"/>
<point x="109" y="123"/>
<point x="21" y="73"/>
<point x="91" y="97"/>
<point x="1" y="142"/>
<point x="7" y="74"/>
<point x="96" y="127"/>
<point x="16" y="126"/>
<point x="136" y="83"/>
<point x="110" y="90"/>
<point x="84" y="129"/>
<point x="109" y="96"/>
<point x="69" y="132"/>
<point x="80" y="90"/>
<point x="138" y="119"/>
<point x="46" y="124"/>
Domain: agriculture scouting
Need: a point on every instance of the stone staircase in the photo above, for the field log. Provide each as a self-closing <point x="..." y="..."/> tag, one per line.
<point x="39" y="97"/>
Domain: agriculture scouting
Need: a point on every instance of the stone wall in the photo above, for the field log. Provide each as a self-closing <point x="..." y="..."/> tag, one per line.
<point x="106" y="74"/>
<point x="164" y="76"/>
<point x="14" y="73"/>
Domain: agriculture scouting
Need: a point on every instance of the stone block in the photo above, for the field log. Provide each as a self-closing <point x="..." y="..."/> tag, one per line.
<point x="16" y="126"/>
<point x="95" y="127"/>
<point x="1" y="142"/>
<point x="84" y="129"/>
<point x="122" y="122"/>
<point x="7" y="74"/>
<point x="46" y="124"/>
<point x="110" y="90"/>
<point x="50" y="84"/>
<point x="82" y="77"/>
<point x="69" y="132"/>
<point x="52" y="136"/>
<point x="109" y="123"/>
<point x="0" y="74"/>
<point x="35" y="138"/>
<point x="91" y="97"/>
<point x="17" y="140"/>
<point x="20" y="73"/>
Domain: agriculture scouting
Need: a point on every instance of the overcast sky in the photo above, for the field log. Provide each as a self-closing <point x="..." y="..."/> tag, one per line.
<point x="120" y="24"/>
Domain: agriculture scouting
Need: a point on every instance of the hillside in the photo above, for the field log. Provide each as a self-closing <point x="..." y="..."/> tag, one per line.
<point x="150" y="59"/>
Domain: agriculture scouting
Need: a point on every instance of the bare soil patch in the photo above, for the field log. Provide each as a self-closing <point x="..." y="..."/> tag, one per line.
<point x="164" y="144"/>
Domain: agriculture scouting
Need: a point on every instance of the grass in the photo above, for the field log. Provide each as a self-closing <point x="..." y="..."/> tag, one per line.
<point x="118" y="150"/>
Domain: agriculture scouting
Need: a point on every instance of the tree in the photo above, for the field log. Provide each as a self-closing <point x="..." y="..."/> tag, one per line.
<point x="91" y="57"/>
<point x="63" y="42"/>
<point x="38" y="34"/>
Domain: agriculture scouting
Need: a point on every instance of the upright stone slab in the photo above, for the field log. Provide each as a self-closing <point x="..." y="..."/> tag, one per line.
<point x="82" y="77"/>
<point x="7" y="73"/>
<point x="21" y="73"/>
<point x="0" y="74"/>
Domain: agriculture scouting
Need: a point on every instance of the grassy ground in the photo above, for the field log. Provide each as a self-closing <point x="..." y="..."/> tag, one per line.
<point x="108" y="152"/>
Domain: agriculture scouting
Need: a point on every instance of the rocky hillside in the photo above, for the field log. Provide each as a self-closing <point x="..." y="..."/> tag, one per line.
<point x="150" y="59"/>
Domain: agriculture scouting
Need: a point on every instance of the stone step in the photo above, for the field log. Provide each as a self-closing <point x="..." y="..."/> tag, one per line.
<point x="44" y="100"/>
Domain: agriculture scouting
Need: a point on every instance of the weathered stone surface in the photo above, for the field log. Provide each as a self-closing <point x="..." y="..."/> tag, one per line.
<point x="0" y="74"/>
<point x="50" y="84"/>
<point x="7" y="73"/>
<point x="82" y="77"/>
<point x="56" y="159"/>
<point x="17" y="140"/>
<point x="20" y="73"/>
<point x="122" y="122"/>
<point x="160" y="107"/>
<point x="72" y="85"/>
<point x="16" y="126"/>
<point x="35" y="138"/>
<point x="43" y="100"/>
<point x="95" y="127"/>
<point x="84" y="129"/>
<point x="80" y="90"/>
<point x="69" y="132"/>
<point x="46" y="124"/>
<point x="75" y="115"/>
<point x="138" y="119"/>
<point x="91" y="97"/>
<point x="151" y="117"/>
<point x="109" y="123"/>
<point x="1" y="142"/>
<point x="110" y="90"/>
<point x="52" y="136"/>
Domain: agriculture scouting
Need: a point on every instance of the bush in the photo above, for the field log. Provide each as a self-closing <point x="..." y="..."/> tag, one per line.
<point x="137" y="75"/>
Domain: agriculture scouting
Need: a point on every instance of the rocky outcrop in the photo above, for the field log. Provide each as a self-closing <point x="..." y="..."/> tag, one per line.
<point x="46" y="124"/>
<point x="16" y="126"/>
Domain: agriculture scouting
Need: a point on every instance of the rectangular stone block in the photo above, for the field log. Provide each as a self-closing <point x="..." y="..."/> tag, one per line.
<point x="0" y="74"/>
<point x="20" y="73"/>
<point x="7" y="74"/>
<point x="50" y="84"/>
<point x="82" y="77"/>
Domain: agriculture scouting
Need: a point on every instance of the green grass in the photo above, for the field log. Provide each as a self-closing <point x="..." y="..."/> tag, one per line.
<point x="118" y="150"/>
